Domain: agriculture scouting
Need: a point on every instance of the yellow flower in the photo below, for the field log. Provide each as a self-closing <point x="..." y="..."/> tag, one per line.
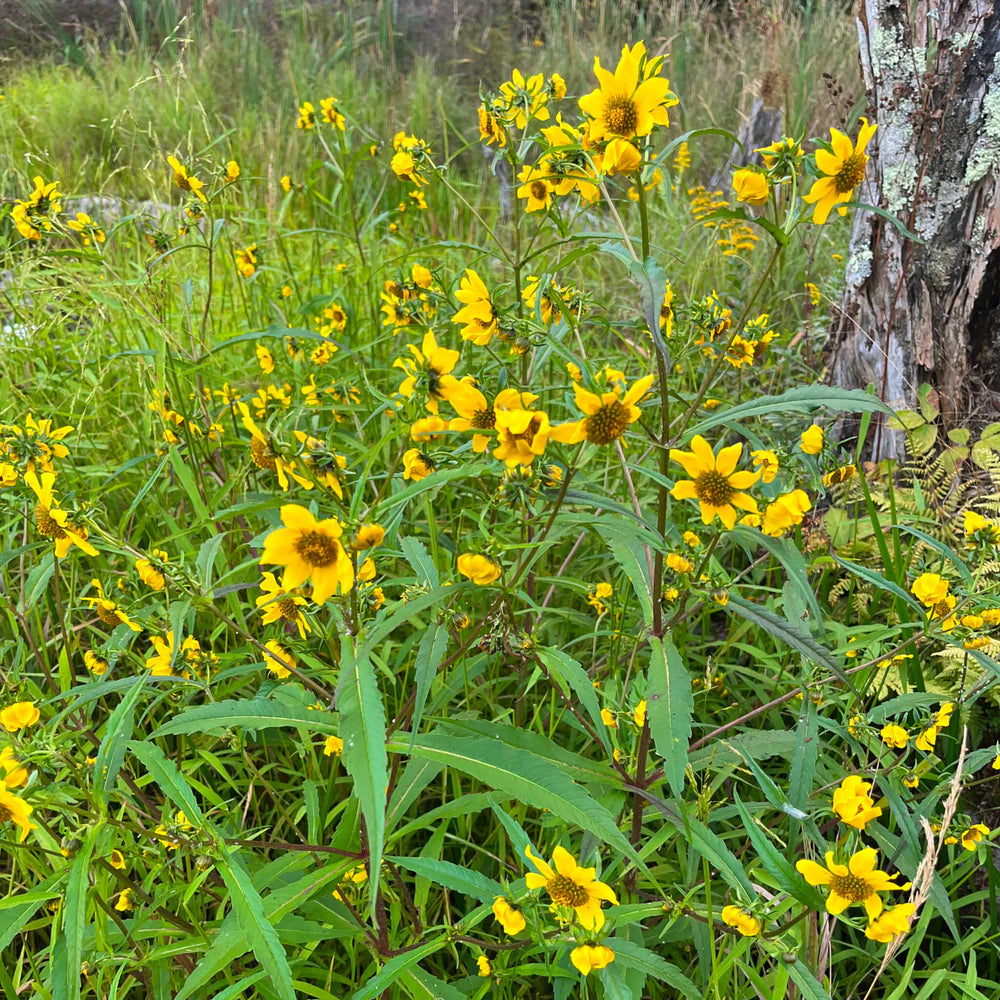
<point x="522" y="99"/>
<point x="679" y="564"/>
<point x="160" y="658"/>
<point x="15" y="810"/>
<point x="14" y="774"/>
<point x="853" y="804"/>
<point x="19" y="715"/>
<point x="608" y="415"/>
<point x="150" y="570"/>
<point x="247" y="260"/>
<point x="522" y="433"/>
<point x="490" y="130"/>
<point x="110" y="612"/>
<point x="571" y="887"/>
<point x="979" y="529"/>
<point x="428" y="428"/>
<point x="333" y="746"/>
<point x="87" y="228"/>
<point x="840" y="475"/>
<point x="535" y="187"/>
<point x="974" y="835"/>
<point x="331" y="113"/>
<point x="417" y="465"/>
<point x="124" y="904"/>
<point x="587" y="957"/>
<point x="278" y="603"/>
<point x="483" y="965"/>
<point x="608" y="718"/>
<point x="310" y="550"/>
<point x="231" y="171"/>
<point x="366" y="571"/>
<point x="785" y="512"/>
<point x="481" y="570"/>
<point x="286" y="183"/>
<point x="743" y="920"/>
<point x="94" y="663"/>
<point x="859" y="881"/>
<point x="368" y="536"/>
<point x="598" y="595"/>
<point x="894" y="736"/>
<point x="53" y="522"/>
<point x="814" y="294"/>
<point x="767" y="462"/>
<point x="621" y="157"/>
<point x="508" y="916"/>
<point x="890" y="923"/>
<point x="843" y="170"/>
<point x="912" y="780"/>
<point x="478" y="315"/>
<point x="812" y="440"/>
<point x="277" y="659"/>
<point x="429" y="368"/>
<point x="474" y="414"/>
<point x="927" y="739"/>
<point x="714" y="483"/>
<point x="184" y="180"/>
<point x="930" y="589"/>
<point x="558" y="85"/>
<point x="168" y="834"/>
<point x="307" y="116"/>
<point x="751" y="186"/>
<point x="639" y="715"/>
<point x="626" y="104"/>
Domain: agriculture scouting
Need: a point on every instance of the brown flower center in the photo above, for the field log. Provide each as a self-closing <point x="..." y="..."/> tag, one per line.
<point x="851" y="173"/>
<point x="5" y="813"/>
<point x="565" y="892"/>
<point x="850" y="887"/>
<point x="262" y="454"/>
<point x="606" y="425"/>
<point x="46" y="523"/>
<point x="529" y="434"/>
<point x="620" y="115"/>
<point x="539" y="191"/>
<point x="288" y="609"/>
<point x="713" y="488"/>
<point x="109" y="614"/>
<point x="317" y="548"/>
<point x="941" y="610"/>
<point x="484" y="419"/>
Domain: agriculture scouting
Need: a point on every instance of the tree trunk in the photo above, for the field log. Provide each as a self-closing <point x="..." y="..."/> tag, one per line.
<point x="929" y="311"/>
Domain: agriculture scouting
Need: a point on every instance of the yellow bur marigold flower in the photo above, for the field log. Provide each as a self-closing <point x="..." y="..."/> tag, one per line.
<point x="626" y="104"/>
<point x="894" y="736"/>
<point x="535" y="187"/>
<point x="587" y="957"/>
<point x="151" y="569"/>
<point x="483" y="967"/>
<point x="751" y="186"/>
<point x="571" y="887"/>
<point x="231" y="172"/>
<point x="310" y="550"/>
<point x="417" y="465"/>
<point x="508" y="916"/>
<point x="743" y="920"/>
<point x="110" y="612"/>
<point x="859" y="881"/>
<point x="522" y="99"/>
<point x="608" y="415"/>
<point x="812" y="440"/>
<point x="475" y="413"/>
<point x="930" y="589"/>
<point x="368" y="536"/>
<point x="609" y="718"/>
<point x="280" y="604"/>
<point x="843" y="170"/>
<point x="621" y="157"/>
<point x="767" y="462"/>
<point x="891" y="923"/>
<point x="480" y="569"/>
<point x="639" y="715"/>
<point x="184" y="180"/>
<point x="159" y="662"/>
<point x="278" y="660"/>
<point x="840" y="475"/>
<point x="307" y="116"/>
<point x="14" y="774"/>
<point x="94" y="663"/>
<point x="14" y="809"/>
<point x="853" y="804"/>
<point x="714" y="482"/>
<point x="53" y="522"/>
<point x="972" y="837"/>
<point x="490" y="130"/>
<point x="87" y="228"/>
<point x="478" y="317"/>
<point x="333" y="746"/>
<point x="124" y="904"/>
<point x="20" y="715"/>
<point x="429" y="369"/>
<point x="785" y="512"/>
<point x="522" y="433"/>
<point x="332" y="114"/>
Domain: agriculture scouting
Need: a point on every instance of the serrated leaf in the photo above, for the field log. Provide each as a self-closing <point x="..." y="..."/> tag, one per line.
<point x="250" y="713"/>
<point x="562" y="666"/>
<point x="430" y="653"/>
<point x="635" y="956"/>
<point x="450" y="876"/>
<point x="669" y="707"/>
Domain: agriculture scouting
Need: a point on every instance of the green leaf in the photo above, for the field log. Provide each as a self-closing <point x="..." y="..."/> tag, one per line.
<point x="531" y="780"/>
<point x="430" y="653"/>
<point x="362" y="728"/>
<point x="75" y="919"/>
<point x="444" y="873"/>
<point x="421" y="985"/>
<point x="880" y="582"/>
<point x="669" y="707"/>
<point x="250" y="713"/>
<point x="395" y="968"/>
<point x="806" y="982"/>
<point x="16" y="911"/>
<point x="117" y="734"/>
<point x="415" y="553"/>
<point x="260" y="934"/>
<point x="170" y="780"/>
<point x="563" y="668"/>
<point x="634" y="956"/>
<point x="802" y="398"/>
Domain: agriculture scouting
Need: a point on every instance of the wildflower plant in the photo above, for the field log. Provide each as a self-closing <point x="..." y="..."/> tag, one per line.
<point x="476" y="610"/>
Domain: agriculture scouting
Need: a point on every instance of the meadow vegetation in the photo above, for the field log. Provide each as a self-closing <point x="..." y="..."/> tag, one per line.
<point x="433" y="563"/>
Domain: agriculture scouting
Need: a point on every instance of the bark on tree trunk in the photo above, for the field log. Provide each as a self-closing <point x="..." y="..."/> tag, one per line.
<point x="930" y="311"/>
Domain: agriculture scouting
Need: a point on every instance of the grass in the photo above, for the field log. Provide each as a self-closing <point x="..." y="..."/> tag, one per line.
<point x="556" y="648"/>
